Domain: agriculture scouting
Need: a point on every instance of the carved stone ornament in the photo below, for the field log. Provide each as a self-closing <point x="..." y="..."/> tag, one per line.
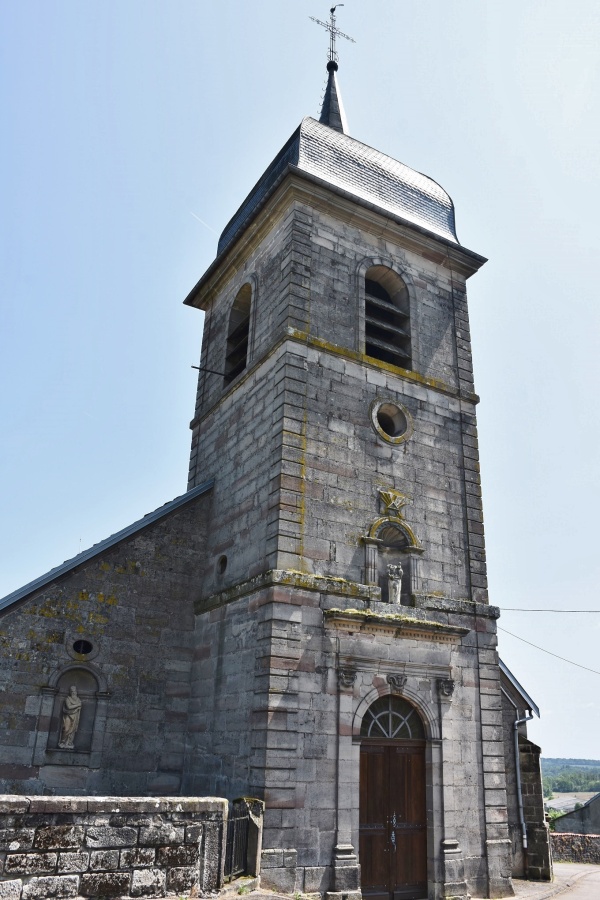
<point x="346" y="678"/>
<point x="396" y="682"/>
<point x="394" y="502"/>
<point x="446" y="687"/>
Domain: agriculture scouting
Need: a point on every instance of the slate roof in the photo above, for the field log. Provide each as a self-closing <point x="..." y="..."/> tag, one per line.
<point x="529" y="703"/>
<point x="108" y="542"/>
<point x="359" y="170"/>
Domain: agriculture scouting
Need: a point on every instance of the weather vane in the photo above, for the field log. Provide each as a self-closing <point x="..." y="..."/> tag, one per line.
<point x="334" y="32"/>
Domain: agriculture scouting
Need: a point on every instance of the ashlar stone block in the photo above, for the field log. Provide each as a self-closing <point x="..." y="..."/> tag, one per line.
<point x="50" y="887"/>
<point x="148" y="883"/>
<point x="104" y="884"/>
<point x="10" y="890"/>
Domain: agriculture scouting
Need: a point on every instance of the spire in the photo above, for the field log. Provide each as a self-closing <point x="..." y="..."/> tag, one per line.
<point x="332" y="111"/>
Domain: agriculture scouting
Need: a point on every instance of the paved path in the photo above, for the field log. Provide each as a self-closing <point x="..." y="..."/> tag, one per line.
<point x="582" y="882"/>
<point x="571" y="880"/>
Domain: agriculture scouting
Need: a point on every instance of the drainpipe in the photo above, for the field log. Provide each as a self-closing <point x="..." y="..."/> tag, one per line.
<point x="516" y="724"/>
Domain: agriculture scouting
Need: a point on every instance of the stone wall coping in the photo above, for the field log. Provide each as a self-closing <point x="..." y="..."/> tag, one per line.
<point x="574" y="834"/>
<point x="14" y="803"/>
<point x="323" y="584"/>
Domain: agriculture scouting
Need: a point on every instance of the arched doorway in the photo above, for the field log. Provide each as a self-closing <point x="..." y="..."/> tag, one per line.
<point x="393" y="816"/>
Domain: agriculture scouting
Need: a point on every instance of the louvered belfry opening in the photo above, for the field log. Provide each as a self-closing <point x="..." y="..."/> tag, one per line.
<point x="387" y="317"/>
<point x="236" y="356"/>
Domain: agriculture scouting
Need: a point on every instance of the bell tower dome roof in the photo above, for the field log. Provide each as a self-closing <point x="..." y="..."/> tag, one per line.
<point x="325" y="152"/>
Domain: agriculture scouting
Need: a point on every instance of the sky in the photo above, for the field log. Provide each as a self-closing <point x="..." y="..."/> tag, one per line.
<point x="132" y="131"/>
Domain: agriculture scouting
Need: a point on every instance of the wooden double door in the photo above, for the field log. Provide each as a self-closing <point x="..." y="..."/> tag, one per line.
<point x="393" y="820"/>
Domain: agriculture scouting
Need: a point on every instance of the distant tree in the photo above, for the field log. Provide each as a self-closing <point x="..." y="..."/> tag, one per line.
<point x="551" y="816"/>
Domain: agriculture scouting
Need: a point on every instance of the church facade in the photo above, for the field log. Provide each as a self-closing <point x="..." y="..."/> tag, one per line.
<point x="310" y="623"/>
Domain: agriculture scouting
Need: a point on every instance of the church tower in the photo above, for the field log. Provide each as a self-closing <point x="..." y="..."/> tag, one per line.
<point x="345" y="661"/>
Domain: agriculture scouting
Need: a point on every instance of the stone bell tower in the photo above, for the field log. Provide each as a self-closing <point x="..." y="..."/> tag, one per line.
<point x="345" y="662"/>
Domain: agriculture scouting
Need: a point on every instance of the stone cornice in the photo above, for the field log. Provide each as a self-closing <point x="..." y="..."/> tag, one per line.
<point x="398" y="625"/>
<point x="461" y="606"/>
<point x="307" y="340"/>
<point x="301" y="581"/>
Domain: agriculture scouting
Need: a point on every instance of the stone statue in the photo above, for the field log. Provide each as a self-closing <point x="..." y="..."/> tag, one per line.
<point x="395" y="583"/>
<point x="71" y="712"/>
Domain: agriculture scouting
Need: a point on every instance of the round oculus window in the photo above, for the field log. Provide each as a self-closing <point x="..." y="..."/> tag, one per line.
<point x="391" y="421"/>
<point x="81" y="647"/>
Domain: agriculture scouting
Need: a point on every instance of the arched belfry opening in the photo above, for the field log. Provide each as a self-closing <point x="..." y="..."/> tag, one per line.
<point x="238" y="331"/>
<point x="387" y="317"/>
<point x="393" y="810"/>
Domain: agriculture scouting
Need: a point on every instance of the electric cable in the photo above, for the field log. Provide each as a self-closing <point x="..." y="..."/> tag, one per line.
<point x="549" y="652"/>
<point x="519" y="609"/>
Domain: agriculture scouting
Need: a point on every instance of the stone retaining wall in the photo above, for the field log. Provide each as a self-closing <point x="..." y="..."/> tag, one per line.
<point x="580" y="848"/>
<point x="55" y="847"/>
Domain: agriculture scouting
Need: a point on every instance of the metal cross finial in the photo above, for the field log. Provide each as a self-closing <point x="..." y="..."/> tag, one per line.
<point x="334" y="32"/>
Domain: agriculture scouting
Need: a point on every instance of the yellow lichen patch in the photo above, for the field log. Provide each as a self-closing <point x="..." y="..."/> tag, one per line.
<point x="48" y="613"/>
<point x="55" y="637"/>
<point x="111" y="600"/>
<point x="97" y="619"/>
<point x="130" y="567"/>
<point x="83" y="595"/>
<point x="307" y="581"/>
<point x="104" y="567"/>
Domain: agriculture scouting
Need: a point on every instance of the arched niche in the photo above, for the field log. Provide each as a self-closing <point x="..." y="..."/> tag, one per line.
<point x="86" y="746"/>
<point x="392" y="542"/>
<point x="85" y="685"/>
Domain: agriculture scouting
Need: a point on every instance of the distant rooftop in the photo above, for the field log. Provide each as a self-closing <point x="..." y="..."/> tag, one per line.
<point x="328" y="154"/>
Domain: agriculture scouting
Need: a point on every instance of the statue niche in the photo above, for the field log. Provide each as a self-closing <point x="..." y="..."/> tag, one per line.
<point x="74" y="711"/>
<point x="393" y="565"/>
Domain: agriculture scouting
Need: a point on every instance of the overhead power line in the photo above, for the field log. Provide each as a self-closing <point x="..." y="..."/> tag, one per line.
<point x="519" y="609"/>
<point x="555" y="655"/>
